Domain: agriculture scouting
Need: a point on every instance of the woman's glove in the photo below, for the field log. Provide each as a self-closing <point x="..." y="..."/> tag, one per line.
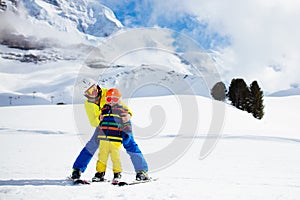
<point x="125" y="117"/>
<point x="94" y="100"/>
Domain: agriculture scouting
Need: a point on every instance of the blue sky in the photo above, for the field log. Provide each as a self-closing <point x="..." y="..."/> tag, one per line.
<point x="143" y="13"/>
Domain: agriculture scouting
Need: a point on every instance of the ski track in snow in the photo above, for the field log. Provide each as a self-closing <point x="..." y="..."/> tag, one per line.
<point x="35" y="182"/>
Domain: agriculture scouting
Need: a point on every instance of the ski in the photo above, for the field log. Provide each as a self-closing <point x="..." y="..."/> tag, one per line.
<point x="79" y="181"/>
<point x="114" y="182"/>
<point x="122" y="183"/>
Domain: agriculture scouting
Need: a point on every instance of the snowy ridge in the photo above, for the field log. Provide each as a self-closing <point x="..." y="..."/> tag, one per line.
<point x="288" y="92"/>
<point x="89" y="17"/>
<point x="146" y="81"/>
<point x="38" y="24"/>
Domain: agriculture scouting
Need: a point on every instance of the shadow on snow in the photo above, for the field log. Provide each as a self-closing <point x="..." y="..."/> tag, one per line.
<point x="48" y="132"/>
<point x="35" y="182"/>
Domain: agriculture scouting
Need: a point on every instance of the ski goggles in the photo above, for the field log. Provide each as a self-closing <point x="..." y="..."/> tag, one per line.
<point x="91" y="92"/>
<point x="112" y="99"/>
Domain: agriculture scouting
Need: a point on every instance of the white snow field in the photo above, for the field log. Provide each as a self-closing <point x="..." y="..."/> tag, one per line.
<point x="253" y="159"/>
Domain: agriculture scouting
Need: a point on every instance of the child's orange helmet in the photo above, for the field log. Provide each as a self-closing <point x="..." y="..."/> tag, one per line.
<point x="113" y="92"/>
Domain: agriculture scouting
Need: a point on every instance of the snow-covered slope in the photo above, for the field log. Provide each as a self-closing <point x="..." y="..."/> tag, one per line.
<point x="253" y="159"/>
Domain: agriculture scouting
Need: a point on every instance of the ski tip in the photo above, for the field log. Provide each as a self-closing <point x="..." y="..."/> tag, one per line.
<point x="115" y="182"/>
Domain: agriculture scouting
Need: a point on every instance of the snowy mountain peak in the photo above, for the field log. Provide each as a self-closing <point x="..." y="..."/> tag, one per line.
<point x="86" y="16"/>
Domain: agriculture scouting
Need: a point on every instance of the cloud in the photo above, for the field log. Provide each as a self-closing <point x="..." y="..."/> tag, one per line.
<point x="257" y="40"/>
<point x="264" y="35"/>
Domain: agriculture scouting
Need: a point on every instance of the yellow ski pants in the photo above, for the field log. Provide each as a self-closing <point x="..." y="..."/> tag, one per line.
<point x="107" y="148"/>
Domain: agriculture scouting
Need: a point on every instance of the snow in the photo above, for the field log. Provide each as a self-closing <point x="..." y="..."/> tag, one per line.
<point x="21" y="80"/>
<point x="253" y="159"/>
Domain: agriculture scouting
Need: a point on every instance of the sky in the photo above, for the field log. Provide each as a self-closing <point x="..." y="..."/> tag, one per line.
<point x="256" y="39"/>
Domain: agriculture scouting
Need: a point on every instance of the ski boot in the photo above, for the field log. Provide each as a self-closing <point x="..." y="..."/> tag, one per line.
<point x="141" y="176"/>
<point x="76" y="174"/>
<point x="99" y="177"/>
<point x="116" y="179"/>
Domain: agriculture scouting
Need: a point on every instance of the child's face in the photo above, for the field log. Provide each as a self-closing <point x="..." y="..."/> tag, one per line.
<point x="112" y="100"/>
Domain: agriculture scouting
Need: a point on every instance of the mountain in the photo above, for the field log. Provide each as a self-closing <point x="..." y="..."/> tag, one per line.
<point x="86" y="16"/>
<point x="47" y="46"/>
<point x="43" y="43"/>
<point x="44" y="53"/>
<point x="40" y="31"/>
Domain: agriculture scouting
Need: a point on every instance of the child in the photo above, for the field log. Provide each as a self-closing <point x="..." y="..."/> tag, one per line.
<point x="110" y="134"/>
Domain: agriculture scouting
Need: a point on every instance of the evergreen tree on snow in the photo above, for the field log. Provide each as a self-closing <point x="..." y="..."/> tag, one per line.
<point x="239" y="94"/>
<point x="256" y="100"/>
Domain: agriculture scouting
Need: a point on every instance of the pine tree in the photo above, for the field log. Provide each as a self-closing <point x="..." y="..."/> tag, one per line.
<point x="231" y="93"/>
<point x="244" y="95"/>
<point x="239" y="94"/>
<point x="256" y="100"/>
<point x="218" y="92"/>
